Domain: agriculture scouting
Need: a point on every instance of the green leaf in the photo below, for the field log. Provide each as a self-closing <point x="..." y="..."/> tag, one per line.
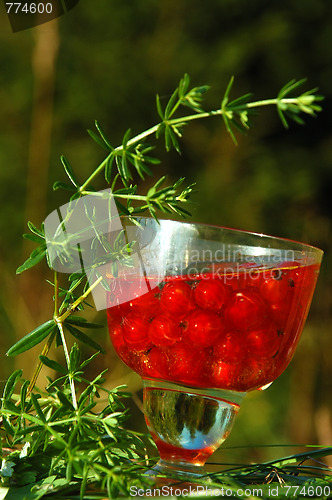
<point x="154" y="188"/>
<point x="170" y="139"/>
<point x="184" y="84"/>
<point x="98" y="140"/>
<point x="227" y="92"/>
<point x="76" y="276"/>
<point x="159" y="108"/>
<point x="33" y="338"/>
<point x="86" y="409"/>
<point x="282" y="117"/>
<point x="83" y="337"/>
<point x="181" y="211"/>
<point x="229" y="128"/>
<point x="40" y="250"/>
<point x="36" y="231"/>
<point x="290" y="86"/>
<point x="178" y="183"/>
<point x="126" y="138"/>
<point x="53" y="364"/>
<point x="33" y="237"/>
<point x="160" y="130"/>
<point x="100" y="378"/>
<point x="297" y="119"/>
<point x="170" y="107"/>
<point x="9" y="405"/>
<point x="65" y="401"/>
<point x="63" y="185"/>
<point x="8" y="426"/>
<point x="108" y="168"/>
<point x="37" y="407"/>
<point x="74" y="358"/>
<point x="82" y="322"/>
<point x="240" y="101"/>
<point x="122" y="165"/>
<point x="194" y="97"/>
<point x="103" y="135"/>
<point x="122" y="208"/>
<point x="11" y="384"/>
<point x="23" y="393"/>
<point x="89" y="360"/>
<point x="31" y="261"/>
<point x="69" y="171"/>
<point x="175" y="141"/>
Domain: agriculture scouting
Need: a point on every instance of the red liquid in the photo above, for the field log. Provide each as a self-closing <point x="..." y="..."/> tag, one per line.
<point x="235" y="331"/>
<point x="175" y="454"/>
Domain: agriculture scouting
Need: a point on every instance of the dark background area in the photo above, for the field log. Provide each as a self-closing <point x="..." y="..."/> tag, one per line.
<point x="106" y="60"/>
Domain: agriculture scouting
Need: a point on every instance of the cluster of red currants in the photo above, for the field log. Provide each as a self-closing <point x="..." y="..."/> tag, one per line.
<point x="233" y="332"/>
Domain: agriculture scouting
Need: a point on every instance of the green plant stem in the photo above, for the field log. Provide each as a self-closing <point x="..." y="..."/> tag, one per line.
<point x="59" y="320"/>
<point x="44" y="352"/>
<point x="74" y="305"/>
<point x="71" y="381"/>
<point x="63" y="338"/>
<point x="103" y="164"/>
<point x="271" y="102"/>
<point x="50" y="339"/>
<point x="136" y="197"/>
<point x="56" y="294"/>
<point x="183" y="120"/>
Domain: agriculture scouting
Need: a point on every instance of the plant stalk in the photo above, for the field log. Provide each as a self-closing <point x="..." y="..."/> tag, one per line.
<point x="36" y="373"/>
<point x="59" y="320"/>
<point x="71" y="380"/>
<point x="185" y="119"/>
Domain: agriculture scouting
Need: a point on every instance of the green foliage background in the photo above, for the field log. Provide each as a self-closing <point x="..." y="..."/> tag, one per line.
<point x="106" y="60"/>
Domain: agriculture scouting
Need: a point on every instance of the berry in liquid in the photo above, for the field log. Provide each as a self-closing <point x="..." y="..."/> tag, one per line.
<point x="235" y="331"/>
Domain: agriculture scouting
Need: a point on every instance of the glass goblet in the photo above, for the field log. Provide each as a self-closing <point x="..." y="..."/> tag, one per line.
<point x="204" y="315"/>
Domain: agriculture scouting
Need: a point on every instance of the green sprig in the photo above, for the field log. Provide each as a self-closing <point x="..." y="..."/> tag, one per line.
<point x="119" y="166"/>
<point x="61" y="443"/>
<point x="76" y="447"/>
<point x="235" y="113"/>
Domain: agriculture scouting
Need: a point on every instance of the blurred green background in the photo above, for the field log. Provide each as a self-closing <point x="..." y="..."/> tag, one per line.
<point x="106" y="60"/>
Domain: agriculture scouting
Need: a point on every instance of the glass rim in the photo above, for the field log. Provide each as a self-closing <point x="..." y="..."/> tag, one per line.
<point x="306" y="246"/>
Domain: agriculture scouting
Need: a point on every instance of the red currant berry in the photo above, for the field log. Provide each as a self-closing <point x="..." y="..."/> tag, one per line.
<point x="282" y="314"/>
<point x="303" y="280"/>
<point x="133" y="360"/>
<point x="285" y="353"/>
<point x="245" y="310"/>
<point x="155" y="364"/>
<point x="248" y="277"/>
<point x="224" y="375"/>
<point x="275" y="289"/>
<point x="210" y="294"/>
<point x="147" y="305"/>
<point x="116" y="336"/>
<point x="164" y="331"/>
<point x="263" y="342"/>
<point x="135" y="332"/>
<point x="114" y="317"/>
<point x="186" y="365"/>
<point x="255" y="373"/>
<point x="203" y="328"/>
<point x="229" y="348"/>
<point x="176" y="298"/>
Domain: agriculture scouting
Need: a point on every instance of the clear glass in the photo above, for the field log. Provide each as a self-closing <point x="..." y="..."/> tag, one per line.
<point x="204" y="314"/>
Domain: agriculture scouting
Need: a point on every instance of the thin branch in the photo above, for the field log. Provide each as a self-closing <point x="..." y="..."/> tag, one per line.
<point x="71" y="381"/>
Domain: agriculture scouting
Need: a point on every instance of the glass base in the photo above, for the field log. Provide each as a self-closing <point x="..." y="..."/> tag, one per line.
<point x="187" y="424"/>
<point x="178" y="475"/>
